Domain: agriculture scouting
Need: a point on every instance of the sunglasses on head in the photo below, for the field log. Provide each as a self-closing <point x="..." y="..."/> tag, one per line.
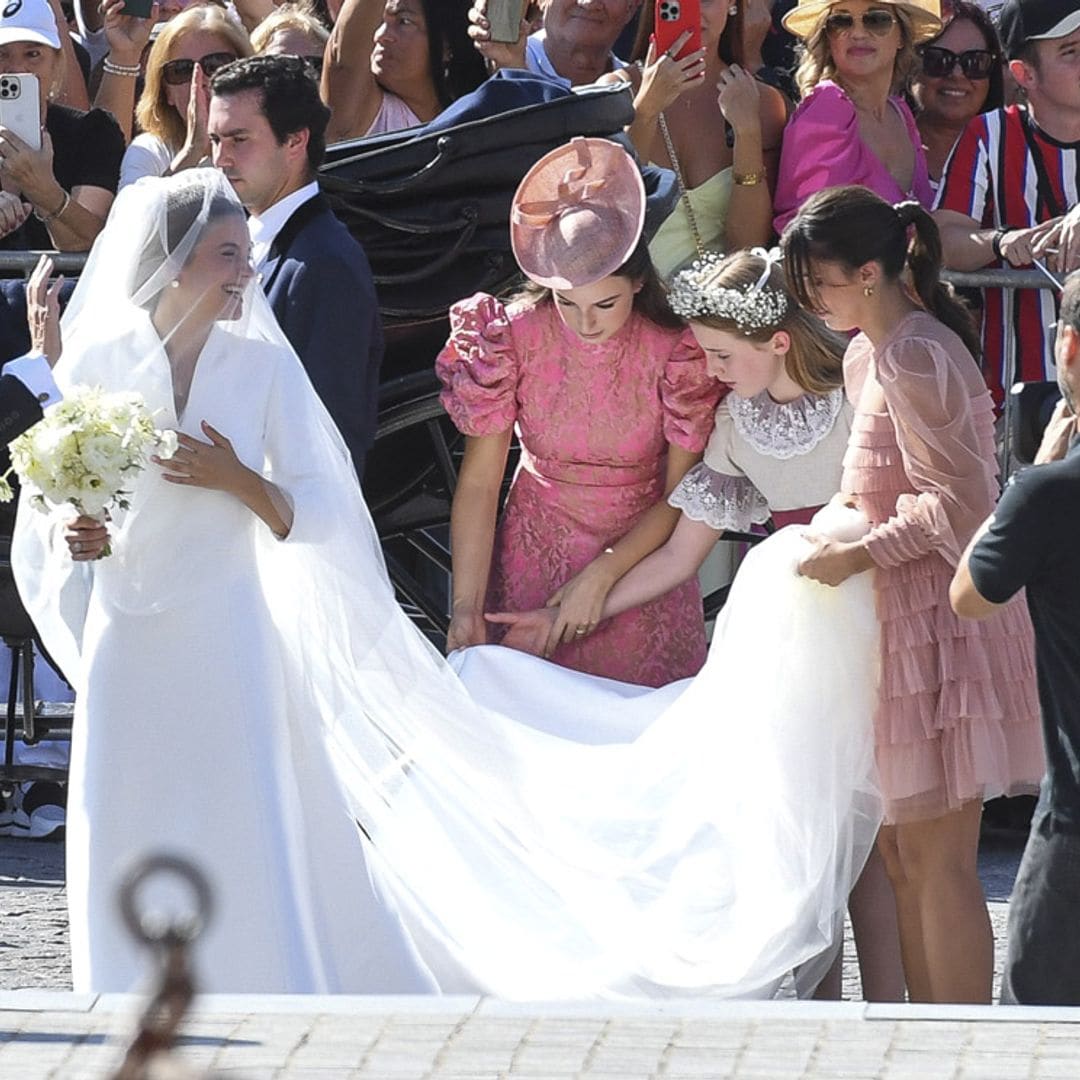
<point x="877" y="21"/>
<point x="939" y="63"/>
<point x="178" y="72"/>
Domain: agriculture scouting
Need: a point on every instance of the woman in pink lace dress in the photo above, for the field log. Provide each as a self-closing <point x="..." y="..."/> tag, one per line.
<point x="957" y="717"/>
<point x="612" y="404"/>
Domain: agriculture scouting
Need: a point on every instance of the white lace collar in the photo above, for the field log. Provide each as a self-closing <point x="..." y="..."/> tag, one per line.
<point x="789" y="430"/>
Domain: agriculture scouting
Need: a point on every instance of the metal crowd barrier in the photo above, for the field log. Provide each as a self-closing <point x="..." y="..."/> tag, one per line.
<point x="23" y="262"/>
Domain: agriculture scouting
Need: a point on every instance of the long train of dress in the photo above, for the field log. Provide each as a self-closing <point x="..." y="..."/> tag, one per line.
<point x="230" y="683"/>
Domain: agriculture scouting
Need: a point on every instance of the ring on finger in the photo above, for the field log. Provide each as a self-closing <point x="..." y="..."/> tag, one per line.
<point x="581" y="630"/>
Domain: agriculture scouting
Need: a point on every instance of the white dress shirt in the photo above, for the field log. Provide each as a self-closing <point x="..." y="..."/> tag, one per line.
<point x="264" y="227"/>
<point x="33" y="371"/>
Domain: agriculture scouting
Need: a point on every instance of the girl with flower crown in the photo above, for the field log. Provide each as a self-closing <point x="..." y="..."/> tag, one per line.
<point x="612" y="403"/>
<point x="775" y="452"/>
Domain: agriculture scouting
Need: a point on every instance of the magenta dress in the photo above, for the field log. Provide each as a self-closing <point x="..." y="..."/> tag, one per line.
<point x="823" y="148"/>
<point x="594" y="423"/>
<point x="957" y="716"/>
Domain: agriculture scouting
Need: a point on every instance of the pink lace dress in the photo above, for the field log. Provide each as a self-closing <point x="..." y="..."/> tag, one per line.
<point x="594" y="423"/>
<point x="957" y="716"/>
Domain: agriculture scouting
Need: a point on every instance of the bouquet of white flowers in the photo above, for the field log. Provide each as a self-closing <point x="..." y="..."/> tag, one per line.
<point x="86" y="451"/>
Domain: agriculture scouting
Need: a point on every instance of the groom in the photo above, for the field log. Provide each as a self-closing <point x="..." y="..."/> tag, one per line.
<point x="267" y="126"/>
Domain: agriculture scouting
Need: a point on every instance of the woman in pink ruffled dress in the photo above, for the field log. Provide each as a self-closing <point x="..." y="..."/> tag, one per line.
<point x="852" y="126"/>
<point x="612" y="404"/>
<point x="957" y="719"/>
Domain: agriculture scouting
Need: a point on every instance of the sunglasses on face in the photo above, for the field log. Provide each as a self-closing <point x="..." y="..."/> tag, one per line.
<point x="877" y="21"/>
<point x="939" y="63"/>
<point x="178" y="72"/>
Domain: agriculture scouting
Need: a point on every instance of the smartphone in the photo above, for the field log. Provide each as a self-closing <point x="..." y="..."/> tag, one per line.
<point x="140" y="9"/>
<point x="504" y="18"/>
<point x="20" y="107"/>
<point x="674" y="18"/>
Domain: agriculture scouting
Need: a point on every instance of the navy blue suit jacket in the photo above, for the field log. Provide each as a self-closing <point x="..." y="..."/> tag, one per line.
<point x="319" y="284"/>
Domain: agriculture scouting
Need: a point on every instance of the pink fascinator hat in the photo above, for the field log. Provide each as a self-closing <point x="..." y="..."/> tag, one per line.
<point x="578" y="214"/>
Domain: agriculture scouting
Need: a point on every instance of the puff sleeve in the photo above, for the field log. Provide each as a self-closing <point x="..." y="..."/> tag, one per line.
<point x="822" y="148"/>
<point x="688" y="396"/>
<point x="478" y="367"/>
<point x="936" y="416"/>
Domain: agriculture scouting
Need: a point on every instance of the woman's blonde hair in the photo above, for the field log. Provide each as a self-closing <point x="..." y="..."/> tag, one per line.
<point x="816" y="357"/>
<point x="300" y="17"/>
<point x="153" y="113"/>
<point x="816" y="62"/>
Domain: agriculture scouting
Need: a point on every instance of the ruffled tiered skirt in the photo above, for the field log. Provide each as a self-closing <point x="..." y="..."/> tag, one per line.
<point x="957" y="715"/>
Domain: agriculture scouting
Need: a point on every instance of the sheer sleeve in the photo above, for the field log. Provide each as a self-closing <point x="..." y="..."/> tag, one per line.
<point x="716" y="491"/>
<point x="937" y="420"/>
<point x="689" y="396"/>
<point x="720" y="500"/>
<point x="478" y="367"/>
<point x="821" y="149"/>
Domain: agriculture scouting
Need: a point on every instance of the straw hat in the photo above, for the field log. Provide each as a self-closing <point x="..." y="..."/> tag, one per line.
<point x="578" y="214"/>
<point x="925" y="16"/>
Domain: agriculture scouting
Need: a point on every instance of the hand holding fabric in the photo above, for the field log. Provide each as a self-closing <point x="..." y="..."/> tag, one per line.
<point x="832" y="562"/>
<point x="466" y="628"/>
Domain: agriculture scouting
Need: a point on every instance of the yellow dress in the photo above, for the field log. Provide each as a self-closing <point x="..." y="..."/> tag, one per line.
<point x="673" y="246"/>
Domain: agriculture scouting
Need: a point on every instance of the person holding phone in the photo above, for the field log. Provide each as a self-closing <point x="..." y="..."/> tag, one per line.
<point x="55" y="190"/>
<point x="705" y="116"/>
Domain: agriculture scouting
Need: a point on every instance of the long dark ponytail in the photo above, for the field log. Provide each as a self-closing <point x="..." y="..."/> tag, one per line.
<point x="852" y="226"/>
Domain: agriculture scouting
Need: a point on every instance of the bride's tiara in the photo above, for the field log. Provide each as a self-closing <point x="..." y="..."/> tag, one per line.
<point x="694" y="296"/>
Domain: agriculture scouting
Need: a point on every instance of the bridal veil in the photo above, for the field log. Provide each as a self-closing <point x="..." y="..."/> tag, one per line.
<point x="704" y="845"/>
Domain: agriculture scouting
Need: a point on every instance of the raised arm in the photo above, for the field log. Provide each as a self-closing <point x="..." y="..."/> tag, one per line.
<point x="348" y="85"/>
<point x="127" y="36"/>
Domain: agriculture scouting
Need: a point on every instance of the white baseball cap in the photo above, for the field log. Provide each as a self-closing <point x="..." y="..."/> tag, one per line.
<point x="28" y="20"/>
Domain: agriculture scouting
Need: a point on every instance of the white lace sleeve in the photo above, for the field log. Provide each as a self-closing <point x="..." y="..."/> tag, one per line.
<point x="719" y="500"/>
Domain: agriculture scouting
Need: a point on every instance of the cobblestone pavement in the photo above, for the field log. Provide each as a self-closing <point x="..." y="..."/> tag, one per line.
<point x="481" y="1039"/>
<point x="62" y="1035"/>
<point x="33" y="912"/>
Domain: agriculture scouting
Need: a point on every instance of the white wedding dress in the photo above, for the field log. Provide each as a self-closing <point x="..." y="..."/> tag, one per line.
<point x="528" y="833"/>
<point x="186" y="738"/>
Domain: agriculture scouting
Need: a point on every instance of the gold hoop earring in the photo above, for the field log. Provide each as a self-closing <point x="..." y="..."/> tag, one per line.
<point x="868" y="290"/>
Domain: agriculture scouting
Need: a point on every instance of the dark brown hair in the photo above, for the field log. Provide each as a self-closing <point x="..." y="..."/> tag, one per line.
<point x="650" y="301"/>
<point x="852" y="226"/>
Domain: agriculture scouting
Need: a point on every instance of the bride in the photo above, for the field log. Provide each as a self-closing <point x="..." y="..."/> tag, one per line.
<point x="250" y="695"/>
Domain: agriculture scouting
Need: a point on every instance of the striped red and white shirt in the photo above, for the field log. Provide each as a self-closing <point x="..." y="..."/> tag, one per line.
<point x="991" y="176"/>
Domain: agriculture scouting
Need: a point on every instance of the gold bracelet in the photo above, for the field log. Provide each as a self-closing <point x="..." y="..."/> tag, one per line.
<point x="748" y="179"/>
<point x="46" y="218"/>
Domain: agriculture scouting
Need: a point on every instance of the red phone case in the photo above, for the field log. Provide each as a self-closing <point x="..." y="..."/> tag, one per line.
<point x="674" y="17"/>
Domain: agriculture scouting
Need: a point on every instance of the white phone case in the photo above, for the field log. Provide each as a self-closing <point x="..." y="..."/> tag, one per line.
<point x="20" y="109"/>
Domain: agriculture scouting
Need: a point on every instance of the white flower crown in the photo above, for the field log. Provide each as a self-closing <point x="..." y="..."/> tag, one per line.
<point x="693" y="296"/>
